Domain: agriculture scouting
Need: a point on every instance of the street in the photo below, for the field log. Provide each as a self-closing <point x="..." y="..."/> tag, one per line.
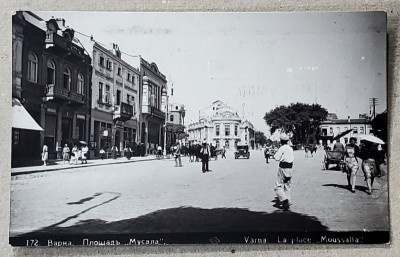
<point x="154" y="196"/>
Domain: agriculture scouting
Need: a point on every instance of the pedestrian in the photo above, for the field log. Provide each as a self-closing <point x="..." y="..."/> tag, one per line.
<point x="338" y="147"/>
<point x="102" y="153"/>
<point x="205" y="156"/>
<point x="65" y="153"/>
<point x="128" y="152"/>
<point x="285" y="157"/>
<point x="177" y="154"/>
<point x="159" y="152"/>
<point x="45" y="155"/>
<point x="352" y="151"/>
<point x="114" y="152"/>
<point x="267" y="154"/>
<point x="223" y="152"/>
<point x="74" y="157"/>
<point x="369" y="153"/>
<point x="85" y="151"/>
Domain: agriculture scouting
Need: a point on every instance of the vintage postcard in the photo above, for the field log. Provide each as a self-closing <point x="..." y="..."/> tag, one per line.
<point x="199" y="128"/>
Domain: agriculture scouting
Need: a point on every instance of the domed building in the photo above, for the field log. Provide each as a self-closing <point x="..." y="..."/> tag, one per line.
<point x="221" y="125"/>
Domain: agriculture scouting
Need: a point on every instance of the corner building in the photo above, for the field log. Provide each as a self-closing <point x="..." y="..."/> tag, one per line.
<point x="52" y="81"/>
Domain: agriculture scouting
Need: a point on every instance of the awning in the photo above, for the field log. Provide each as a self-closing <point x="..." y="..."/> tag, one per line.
<point x="21" y="118"/>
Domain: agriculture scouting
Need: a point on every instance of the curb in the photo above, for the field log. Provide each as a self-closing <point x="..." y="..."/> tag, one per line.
<point x="16" y="173"/>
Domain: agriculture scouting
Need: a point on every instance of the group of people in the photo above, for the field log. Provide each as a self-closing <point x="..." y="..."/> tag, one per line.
<point x="371" y="157"/>
<point x="76" y="154"/>
<point x="197" y="152"/>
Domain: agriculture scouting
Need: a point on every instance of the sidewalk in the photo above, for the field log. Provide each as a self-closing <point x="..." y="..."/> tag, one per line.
<point x="59" y="164"/>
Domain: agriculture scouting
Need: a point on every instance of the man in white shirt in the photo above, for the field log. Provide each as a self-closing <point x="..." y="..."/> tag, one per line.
<point x="285" y="157"/>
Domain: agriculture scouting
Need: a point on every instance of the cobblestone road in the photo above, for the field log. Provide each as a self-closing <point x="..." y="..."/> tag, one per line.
<point x="155" y="196"/>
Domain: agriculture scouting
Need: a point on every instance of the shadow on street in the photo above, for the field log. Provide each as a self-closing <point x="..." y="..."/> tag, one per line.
<point x="194" y="220"/>
<point x="346" y="187"/>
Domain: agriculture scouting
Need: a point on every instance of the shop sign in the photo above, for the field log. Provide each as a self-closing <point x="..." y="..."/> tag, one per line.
<point x="80" y="116"/>
<point x="51" y="110"/>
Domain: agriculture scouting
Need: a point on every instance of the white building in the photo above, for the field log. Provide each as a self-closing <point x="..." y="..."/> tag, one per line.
<point x="221" y="125"/>
<point x="332" y="127"/>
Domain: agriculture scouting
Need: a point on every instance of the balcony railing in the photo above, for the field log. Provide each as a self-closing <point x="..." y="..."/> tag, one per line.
<point x="54" y="92"/>
<point x="123" y="111"/>
<point x="53" y="39"/>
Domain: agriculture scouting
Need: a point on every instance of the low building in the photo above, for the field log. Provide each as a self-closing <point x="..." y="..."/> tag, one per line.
<point x="221" y="125"/>
<point x="332" y="127"/>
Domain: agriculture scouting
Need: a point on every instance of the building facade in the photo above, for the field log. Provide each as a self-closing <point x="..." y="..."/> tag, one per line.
<point x="115" y="86"/>
<point x="332" y="127"/>
<point x="176" y="114"/>
<point x="153" y="105"/>
<point x="52" y="79"/>
<point x="221" y="125"/>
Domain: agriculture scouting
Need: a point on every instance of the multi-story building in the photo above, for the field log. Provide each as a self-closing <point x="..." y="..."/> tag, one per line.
<point x="52" y="80"/>
<point x="114" y="99"/>
<point x="176" y="114"/>
<point x="332" y="127"/>
<point x="221" y="125"/>
<point x="153" y="105"/>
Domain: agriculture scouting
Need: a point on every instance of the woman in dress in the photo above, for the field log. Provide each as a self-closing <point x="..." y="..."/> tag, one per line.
<point x="45" y="155"/>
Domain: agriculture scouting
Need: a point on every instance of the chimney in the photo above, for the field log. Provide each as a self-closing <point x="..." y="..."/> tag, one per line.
<point x="348" y="119"/>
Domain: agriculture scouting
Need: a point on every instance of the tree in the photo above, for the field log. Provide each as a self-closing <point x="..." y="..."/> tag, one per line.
<point x="301" y="120"/>
<point x="260" y="138"/>
<point x="379" y="126"/>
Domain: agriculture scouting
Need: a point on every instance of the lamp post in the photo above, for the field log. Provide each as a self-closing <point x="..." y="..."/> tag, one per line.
<point x="165" y="127"/>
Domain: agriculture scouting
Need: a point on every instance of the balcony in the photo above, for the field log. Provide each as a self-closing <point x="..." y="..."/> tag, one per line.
<point x="63" y="46"/>
<point x="123" y="112"/>
<point x="54" y="93"/>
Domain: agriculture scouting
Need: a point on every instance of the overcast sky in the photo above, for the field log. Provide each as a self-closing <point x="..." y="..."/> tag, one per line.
<point x="253" y="61"/>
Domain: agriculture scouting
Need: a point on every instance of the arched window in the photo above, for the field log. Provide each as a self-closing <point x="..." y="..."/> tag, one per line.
<point x="81" y="84"/>
<point x="51" y="72"/>
<point x="32" y="67"/>
<point x="67" y="78"/>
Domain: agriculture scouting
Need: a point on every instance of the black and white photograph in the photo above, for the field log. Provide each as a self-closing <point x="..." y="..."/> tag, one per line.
<point x="159" y="128"/>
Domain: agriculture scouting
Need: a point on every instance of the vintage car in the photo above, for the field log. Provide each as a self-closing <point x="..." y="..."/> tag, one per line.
<point x="242" y="150"/>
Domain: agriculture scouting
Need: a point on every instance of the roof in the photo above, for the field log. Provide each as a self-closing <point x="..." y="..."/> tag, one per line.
<point x="346" y="121"/>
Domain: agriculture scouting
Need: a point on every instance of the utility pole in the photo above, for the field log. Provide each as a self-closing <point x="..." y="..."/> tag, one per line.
<point x="373" y="101"/>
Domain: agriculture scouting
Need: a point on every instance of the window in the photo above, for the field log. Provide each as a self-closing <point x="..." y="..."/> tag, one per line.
<point x="236" y="129"/>
<point x="101" y="61"/>
<point x="128" y="77"/>
<point x="346" y="128"/>
<point x="217" y="130"/>
<point x="81" y="84"/>
<point x="107" y="100"/>
<point x="118" y="97"/>
<point x="119" y="71"/>
<point x="32" y="67"/>
<point x="227" y="130"/>
<point x="100" y="92"/>
<point x="134" y="80"/>
<point x="171" y="118"/>
<point x="361" y="130"/>
<point x="109" y="65"/>
<point x="67" y="78"/>
<point x="355" y="130"/>
<point x="331" y="130"/>
<point x="51" y="72"/>
<point x="176" y="107"/>
<point x="128" y="98"/>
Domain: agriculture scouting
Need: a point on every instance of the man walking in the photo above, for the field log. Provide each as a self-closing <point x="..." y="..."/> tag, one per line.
<point x="285" y="157"/>
<point x="205" y="155"/>
<point x="223" y="152"/>
<point x="178" y="154"/>
<point x="352" y="151"/>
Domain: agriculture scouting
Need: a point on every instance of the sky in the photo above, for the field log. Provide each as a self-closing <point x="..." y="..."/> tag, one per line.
<point x="253" y="61"/>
